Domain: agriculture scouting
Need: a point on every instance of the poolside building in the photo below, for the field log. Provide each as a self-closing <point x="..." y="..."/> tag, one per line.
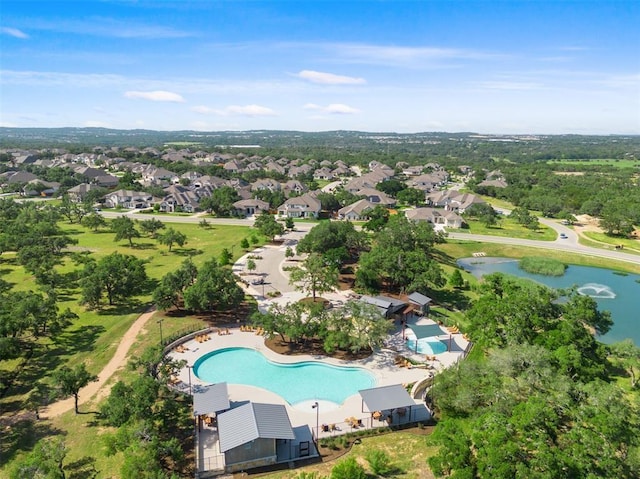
<point x="254" y="435"/>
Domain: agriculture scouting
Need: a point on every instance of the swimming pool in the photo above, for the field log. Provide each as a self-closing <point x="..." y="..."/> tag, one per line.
<point x="295" y="383"/>
<point x="427" y="346"/>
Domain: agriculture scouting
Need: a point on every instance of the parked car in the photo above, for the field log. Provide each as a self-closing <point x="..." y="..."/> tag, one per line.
<point x="563" y="236"/>
<point x="257" y="281"/>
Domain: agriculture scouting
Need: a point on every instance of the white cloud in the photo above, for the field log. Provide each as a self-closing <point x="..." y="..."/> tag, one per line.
<point x="235" y="110"/>
<point x="333" y="108"/>
<point x="329" y="78"/>
<point x="406" y="56"/>
<point x="158" y="95"/>
<point x="13" y="32"/>
<point x="205" y="110"/>
<point x="250" y="110"/>
<point x="108" y="27"/>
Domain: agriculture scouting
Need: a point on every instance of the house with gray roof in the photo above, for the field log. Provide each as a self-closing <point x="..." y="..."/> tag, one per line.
<point x="305" y="206"/>
<point x="251" y="435"/>
<point x="356" y="211"/>
<point x="128" y="199"/>
<point x="435" y="216"/>
<point x="387" y="305"/>
<point x="251" y="206"/>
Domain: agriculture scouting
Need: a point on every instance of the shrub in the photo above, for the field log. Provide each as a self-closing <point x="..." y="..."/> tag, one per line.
<point x="544" y="266"/>
<point x="348" y="469"/>
<point x="379" y="462"/>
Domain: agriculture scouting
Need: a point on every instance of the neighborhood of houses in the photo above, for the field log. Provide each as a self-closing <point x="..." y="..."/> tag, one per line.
<point x="101" y="170"/>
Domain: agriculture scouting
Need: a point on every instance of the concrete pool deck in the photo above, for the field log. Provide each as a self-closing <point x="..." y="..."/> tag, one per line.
<point x="381" y="364"/>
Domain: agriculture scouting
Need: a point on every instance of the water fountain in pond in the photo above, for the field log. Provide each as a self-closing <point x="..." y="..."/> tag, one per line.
<point x="597" y="291"/>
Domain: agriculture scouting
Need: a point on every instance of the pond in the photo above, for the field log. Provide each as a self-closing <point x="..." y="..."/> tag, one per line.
<point x="616" y="292"/>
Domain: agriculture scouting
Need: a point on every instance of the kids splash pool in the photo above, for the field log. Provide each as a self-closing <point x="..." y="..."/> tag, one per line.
<point x="295" y="383"/>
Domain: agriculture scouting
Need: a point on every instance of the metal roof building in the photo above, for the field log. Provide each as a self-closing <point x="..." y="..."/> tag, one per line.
<point x="210" y="399"/>
<point x="252" y="421"/>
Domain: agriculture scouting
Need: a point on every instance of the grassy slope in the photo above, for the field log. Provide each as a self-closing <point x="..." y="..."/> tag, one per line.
<point x="509" y="228"/>
<point x="95" y="336"/>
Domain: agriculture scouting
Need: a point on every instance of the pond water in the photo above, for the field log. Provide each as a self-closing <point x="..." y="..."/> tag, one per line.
<point x="616" y="292"/>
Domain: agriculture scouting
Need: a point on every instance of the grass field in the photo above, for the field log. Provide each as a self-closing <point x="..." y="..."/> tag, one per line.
<point x="408" y="451"/>
<point x="507" y="227"/>
<point x="599" y="162"/>
<point x="630" y="245"/>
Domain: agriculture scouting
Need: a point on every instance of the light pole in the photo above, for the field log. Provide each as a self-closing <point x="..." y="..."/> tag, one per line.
<point x="316" y="406"/>
<point x="189" y="368"/>
<point x="160" y="324"/>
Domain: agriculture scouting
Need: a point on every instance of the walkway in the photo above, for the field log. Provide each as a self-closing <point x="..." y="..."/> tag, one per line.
<point x="99" y="388"/>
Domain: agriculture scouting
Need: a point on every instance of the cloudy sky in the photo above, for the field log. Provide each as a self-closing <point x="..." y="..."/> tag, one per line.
<point x="406" y="66"/>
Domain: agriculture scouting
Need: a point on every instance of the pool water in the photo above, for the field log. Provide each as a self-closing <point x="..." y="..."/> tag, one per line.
<point x="295" y="383"/>
<point x="427" y="346"/>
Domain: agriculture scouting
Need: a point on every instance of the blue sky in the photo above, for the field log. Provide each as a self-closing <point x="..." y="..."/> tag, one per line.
<point x="403" y="66"/>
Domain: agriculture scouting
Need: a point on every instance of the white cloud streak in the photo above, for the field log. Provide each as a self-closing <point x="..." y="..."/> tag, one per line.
<point x="158" y="95"/>
<point x="329" y="78"/>
<point x="13" y="32"/>
<point x="236" y="110"/>
<point x="108" y="27"/>
<point x="333" y="108"/>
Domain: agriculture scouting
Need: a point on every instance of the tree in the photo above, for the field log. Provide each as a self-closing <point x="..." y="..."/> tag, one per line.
<point x="225" y="257"/>
<point x="354" y="327"/>
<point x="45" y="461"/>
<point x="628" y="354"/>
<point x="348" y="469"/>
<point x="268" y="226"/>
<point x="411" y="196"/>
<point x="244" y="243"/>
<point x="378" y="218"/>
<point x="315" y="276"/>
<point x="215" y="289"/>
<point x="70" y="380"/>
<point x="334" y="239"/>
<point x="124" y="228"/>
<point x="171" y="288"/>
<point x="251" y="265"/>
<point x="401" y="257"/>
<point x="172" y="236"/>
<point x="94" y="221"/>
<point x="289" y="223"/>
<point x="151" y="226"/>
<point x="221" y="201"/>
<point x="289" y="253"/>
<point x="119" y="276"/>
<point x="456" y="280"/>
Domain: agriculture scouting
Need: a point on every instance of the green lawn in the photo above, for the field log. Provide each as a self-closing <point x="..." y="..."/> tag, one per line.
<point x="508" y="228"/>
<point x="610" y="242"/>
<point x="600" y="162"/>
<point x="408" y="452"/>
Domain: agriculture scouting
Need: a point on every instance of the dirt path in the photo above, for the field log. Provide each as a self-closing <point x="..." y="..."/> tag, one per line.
<point x="119" y="360"/>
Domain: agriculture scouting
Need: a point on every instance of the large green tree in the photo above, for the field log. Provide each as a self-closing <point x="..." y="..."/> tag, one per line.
<point x="315" y="276"/>
<point x="215" y="289"/>
<point x="268" y="226"/>
<point x="70" y="380"/>
<point x="124" y="228"/>
<point x="119" y="276"/>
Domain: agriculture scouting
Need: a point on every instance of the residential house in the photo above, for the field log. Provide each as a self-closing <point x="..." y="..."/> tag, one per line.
<point x="250" y="207"/>
<point x="323" y="173"/>
<point x="128" y="199"/>
<point x="356" y="211"/>
<point x="376" y="197"/>
<point x="453" y="200"/>
<point x="78" y="193"/>
<point x="304" y="206"/>
<point x="179" y="198"/>
<point x="266" y="184"/>
<point x="39" y="187"/>
<point x="435" y="216"/>
<point x="293" y="188"/>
